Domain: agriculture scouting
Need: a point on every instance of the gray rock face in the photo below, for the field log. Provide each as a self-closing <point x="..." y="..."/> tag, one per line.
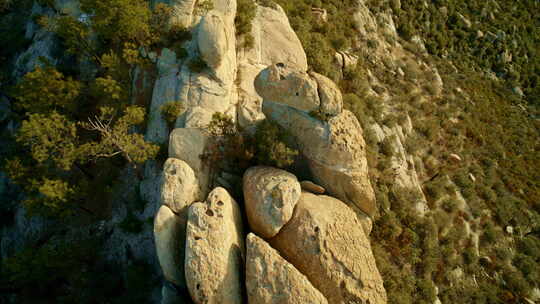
<point x="297" y="89"/>
<point x="326" y="242"/>
<point x="329" y="95"/>
<point x="169" y="235"/>
<point x="270" y="196"/>
<point x="212" y="40"/>
<point x="189" y="144"/>
<point x="274" y="41"/>
<point x="215" y="250"/>
<point x="270" y="279"/>
<point x="179" y="187"/>
<point x="335" y="150"/>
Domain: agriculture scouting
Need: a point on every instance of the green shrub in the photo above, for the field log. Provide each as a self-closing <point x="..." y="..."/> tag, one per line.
<point x="245" y="14"/>
<point x="171" y="110"/>
<point x="203" y="7"/>
<point x="387" y="146"/>
<point x="271" y="145"/>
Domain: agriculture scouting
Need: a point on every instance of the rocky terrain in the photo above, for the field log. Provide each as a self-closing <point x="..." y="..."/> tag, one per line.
<point x="392" y="194"/>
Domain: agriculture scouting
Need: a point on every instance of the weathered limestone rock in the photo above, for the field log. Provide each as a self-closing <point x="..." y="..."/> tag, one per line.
<point x="270" y="196"/>
<point x="270" y="279"/>
<point x="326" y="242"/>
<point x="169" y="235"/>
<point x="329" y="95"/>
<point x="212" y="39"/>
<point x="179" y="187"/>
<point x="274" y="41"/>
<point x="215" y="250"/>
<point x="188" y="144"/>
<point x="212" y="88"/>
<point x="312" y="187"/>
<point x="335" y="150"/>
<point x="279" y="83"/>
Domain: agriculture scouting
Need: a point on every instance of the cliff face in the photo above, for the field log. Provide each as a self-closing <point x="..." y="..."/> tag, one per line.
<point x="235" y="79"/>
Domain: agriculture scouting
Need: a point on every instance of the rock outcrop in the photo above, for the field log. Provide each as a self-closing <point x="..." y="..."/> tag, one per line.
<point x="212" y="255"/>
<point x="214" y="260"/>
<point x="270" y="279"/>
<point x="270" y="195"/>
<point x="274" y="41"/>
<point x="179" y="186"/>
<point x="335" y="148"/>
<point x="169" y="235"/>
<point x="329" y="95"/>
<point x="188" y="145"/>
<point x="326" y="242"/>
<point x="288" y="86"/>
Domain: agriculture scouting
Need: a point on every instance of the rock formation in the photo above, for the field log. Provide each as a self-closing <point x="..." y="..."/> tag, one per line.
<point x="169" y="234"/>
<point x="334" y="145"/>
<point x="330" y="243"/>
<point x="215" y="250"/>
<point x="270" y="196"/>
<point x="179" y="186"/>
<point x="326" y="242"/>
<point x="270" y="279"/>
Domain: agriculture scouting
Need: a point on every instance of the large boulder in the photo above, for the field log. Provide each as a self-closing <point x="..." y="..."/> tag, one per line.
<point x="335" y="150"/>
<point x="169" y="236"/>
<point x="279" y="83"/>
<point x="326" y="242"/>
<point x="212" y="39"/>
<point x="215" y="250"/>
<point x="270" y="279"/>
<point x="189" y="145"/>
<point x="329" y="95"/>
<point x="179" y="186"/>
<point x="270" y="195"/>
<point x="274" y="40"/>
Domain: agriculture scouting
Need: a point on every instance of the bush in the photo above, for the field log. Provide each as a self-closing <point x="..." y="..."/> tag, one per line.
<point x="171" y="110"/>
<point x="271" y="145"/>
<point x="245" y="14"/>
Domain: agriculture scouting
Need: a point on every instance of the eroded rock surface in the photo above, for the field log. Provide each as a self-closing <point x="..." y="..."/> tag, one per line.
<point x="291" y="87"/>
<point x="214" y="260"/>
<point x="188" y="145"/>
<point x="274" y="41"/>
<point x="326" y="242"/>
<point x="335" y="149"/>
<point x="270" y="195"/>
<point x="179" y="186"/>
<point x="270" y="279"/>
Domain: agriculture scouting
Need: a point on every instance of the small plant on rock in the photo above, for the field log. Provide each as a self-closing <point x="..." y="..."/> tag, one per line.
<point x="171" y="110"/>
